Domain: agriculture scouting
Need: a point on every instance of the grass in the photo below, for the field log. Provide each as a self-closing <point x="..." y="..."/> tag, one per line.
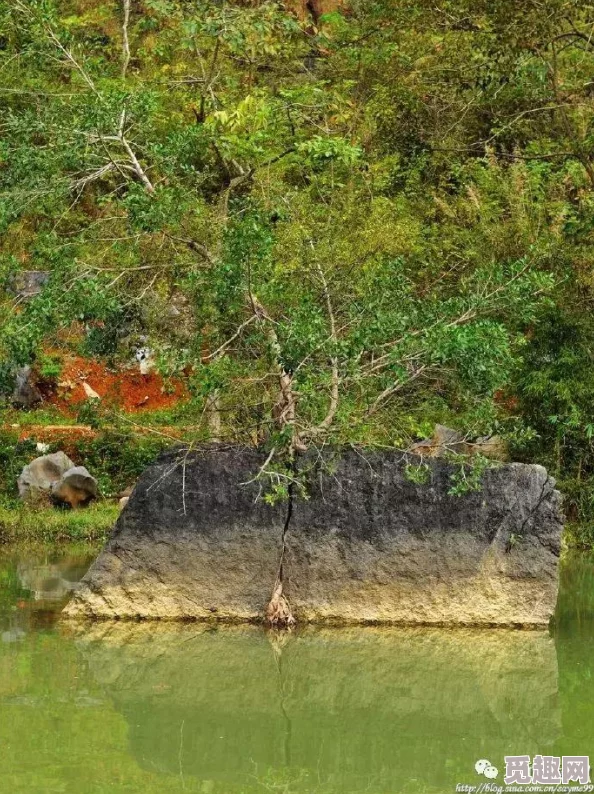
<point x="25" y="524"/>
<point x="47" y="415"/>
<point x="579" y="535"/>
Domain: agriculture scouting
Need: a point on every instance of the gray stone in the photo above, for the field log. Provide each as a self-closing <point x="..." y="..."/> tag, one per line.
<point x="369" y="545"/>
<point x="490" y="447"/>
<point x="76" y="487"/>
<point x="28" y="283"/>
<point x="36" y="479"/>
<point x="25" y="394"/>
<point x="192" y="542"/>
<point x="196" y="540"/>
<point x="445" y="440"/>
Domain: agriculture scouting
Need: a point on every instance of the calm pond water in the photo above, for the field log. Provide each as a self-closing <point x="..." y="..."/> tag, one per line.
<point x="144" y="708"/>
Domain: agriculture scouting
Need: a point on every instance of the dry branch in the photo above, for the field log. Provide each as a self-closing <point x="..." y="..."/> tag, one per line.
<point x="125" y="40"/>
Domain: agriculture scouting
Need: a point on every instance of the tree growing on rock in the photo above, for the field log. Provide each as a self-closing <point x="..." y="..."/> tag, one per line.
<point x="366" y="217"/>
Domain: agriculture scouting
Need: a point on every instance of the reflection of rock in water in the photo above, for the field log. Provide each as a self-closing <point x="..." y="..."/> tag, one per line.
<point x="374" y="707"/>
<point x="13" y="635"/>
<point x="51" y="581"/>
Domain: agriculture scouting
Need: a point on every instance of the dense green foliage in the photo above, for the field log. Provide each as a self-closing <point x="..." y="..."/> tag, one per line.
<point x="343" y="229"/>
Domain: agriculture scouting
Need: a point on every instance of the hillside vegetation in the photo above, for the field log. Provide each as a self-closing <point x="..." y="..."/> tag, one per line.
<point x="342" y="224"/>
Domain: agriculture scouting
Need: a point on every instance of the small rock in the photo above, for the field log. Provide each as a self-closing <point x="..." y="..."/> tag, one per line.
<point x="493" y="447"/>
<point x="123" y="502"/>
<point x="25" y="394"/>
<point x="144" y="356"/>
<point x="28" y="283"/>
<point x="37" y="477"/>
<point x="41" y="447"/>
<point x="447" y="440"/>
<point x="77" y="487"/>
<point x="424" y="447"/>
<point x="14" y="635"/>
<point x="444" y="441"/>
<point x="91" y="393"/>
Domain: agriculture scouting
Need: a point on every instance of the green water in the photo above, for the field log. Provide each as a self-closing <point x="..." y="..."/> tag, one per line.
<point x="143" y="708"/>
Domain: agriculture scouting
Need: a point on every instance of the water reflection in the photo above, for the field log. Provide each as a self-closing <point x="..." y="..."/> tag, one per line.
<point x="34" y="588"/>
<point x="157" y="709"/>
<point x="350" y="709"/>
<point x="51" y="580"/>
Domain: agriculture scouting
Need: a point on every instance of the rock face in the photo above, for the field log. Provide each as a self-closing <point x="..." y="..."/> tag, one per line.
<point x="25" y="394"/>
<point x="56" y="477"/>
<point x="368" y="545"/>
<point x="28" y="283"/>
<point x="76" y="487"/>
<point x="37" y="477"/>
<point x="192" y="542"/>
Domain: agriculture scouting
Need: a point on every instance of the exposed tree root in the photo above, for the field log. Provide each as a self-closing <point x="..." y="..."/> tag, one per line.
<point x="278" y="612"/>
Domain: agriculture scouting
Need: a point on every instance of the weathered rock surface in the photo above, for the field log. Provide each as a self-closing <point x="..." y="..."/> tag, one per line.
<point x="37" y="477"/>
<point x="368" y="545"/>
<point x="28" y="283"/>
<point x="25" y="394"/>
<point x="192" y="542"/>
<point x="76" y="487"/>
<point x="56" y="477"/>
<point x="376" y="547"/>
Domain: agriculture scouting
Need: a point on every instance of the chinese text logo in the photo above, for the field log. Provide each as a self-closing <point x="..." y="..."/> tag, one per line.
<point x="546" y="769"/>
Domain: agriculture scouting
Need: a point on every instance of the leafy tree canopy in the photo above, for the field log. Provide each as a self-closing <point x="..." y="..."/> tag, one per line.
<point x="344" y="226"/>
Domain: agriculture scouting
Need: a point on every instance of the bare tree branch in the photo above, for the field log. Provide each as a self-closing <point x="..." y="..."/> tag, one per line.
<point x="72" y="60"/>
<point x="334" y="390"/>
<point x="125" y="40"/>
<point x="231" y="339"/>
<point x="141" y="174"/>
<point x="285" y="413"/>
<point x="391" y="390"/>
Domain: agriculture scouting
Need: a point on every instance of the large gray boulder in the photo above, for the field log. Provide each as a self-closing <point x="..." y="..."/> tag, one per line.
<point x="196" y="540"/>
<point x="55" y="477"/>
<point x="36" y="479"/>
<point x="75" y="487"/>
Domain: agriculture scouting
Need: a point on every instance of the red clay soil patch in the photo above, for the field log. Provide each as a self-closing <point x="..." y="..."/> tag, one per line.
<point x="126" y="389"/>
